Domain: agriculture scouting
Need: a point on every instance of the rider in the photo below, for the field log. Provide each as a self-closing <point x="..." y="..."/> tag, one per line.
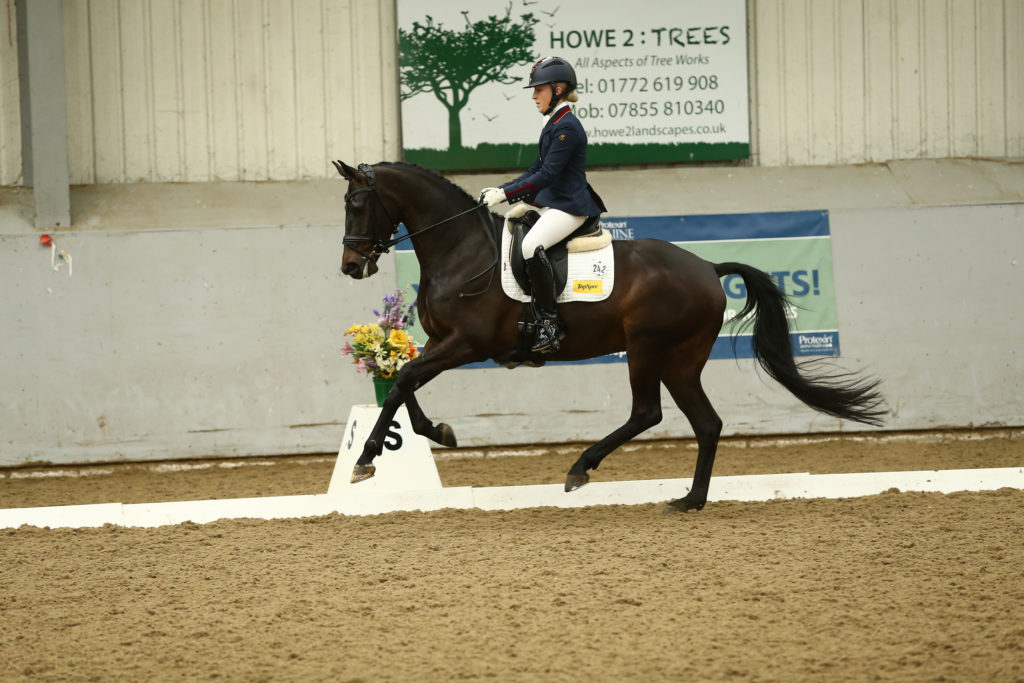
<point x="555" y="186"/>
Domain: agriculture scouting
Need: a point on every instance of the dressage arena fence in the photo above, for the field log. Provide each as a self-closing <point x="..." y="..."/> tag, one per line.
<point x="407" y="480"/>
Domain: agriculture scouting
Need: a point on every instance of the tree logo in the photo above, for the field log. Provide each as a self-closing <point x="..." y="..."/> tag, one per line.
<point x="450" y="64"/>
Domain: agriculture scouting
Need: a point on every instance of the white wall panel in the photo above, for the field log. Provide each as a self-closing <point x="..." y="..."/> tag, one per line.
<point x="850" y="81"/>
<point x="907" y="90"/>
<point x="852" y="131"/>
<point x="104" y="88"/>
<point x="195" y="101"/>
<point x="823" y="81"/>
<point x="936" y="74"/>
<point x="77" y="74"/>
<point x="310" y="88"/>
<point x="199" y="90"/>
<point x="1013" y="76"/>
<point x="10" y="107"/>
<point x="879" y="67"/>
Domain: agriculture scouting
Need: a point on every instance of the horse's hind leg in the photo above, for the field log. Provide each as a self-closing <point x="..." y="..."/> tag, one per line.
<point x="421" y="424"/>
<point x="646" y="413"/>
<point x="689" y="395"/>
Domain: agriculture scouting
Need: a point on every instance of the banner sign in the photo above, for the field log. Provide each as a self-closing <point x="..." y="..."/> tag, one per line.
<point x="794" y="247"/>
<point x="659" y="80"/>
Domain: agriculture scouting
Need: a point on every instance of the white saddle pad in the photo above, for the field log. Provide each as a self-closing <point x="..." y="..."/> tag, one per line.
<point x="590" y="278"/>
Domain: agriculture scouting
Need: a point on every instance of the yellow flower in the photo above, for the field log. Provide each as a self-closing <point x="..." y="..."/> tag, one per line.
<point x="369" y="335"/>
<point x="399" y="339"/>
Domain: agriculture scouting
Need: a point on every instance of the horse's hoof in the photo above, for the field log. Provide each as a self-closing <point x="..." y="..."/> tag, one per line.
<point x="447" y="436"/>
<point x="362" y="473"/>
<point x="683" y="505"/>
<point x="575" y="481"/>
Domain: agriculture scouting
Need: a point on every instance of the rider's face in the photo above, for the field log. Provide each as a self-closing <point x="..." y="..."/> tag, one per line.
<point x="542" y="96"/>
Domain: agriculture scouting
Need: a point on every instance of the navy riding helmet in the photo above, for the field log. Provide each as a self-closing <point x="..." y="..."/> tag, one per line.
<point x="549" y="71"/>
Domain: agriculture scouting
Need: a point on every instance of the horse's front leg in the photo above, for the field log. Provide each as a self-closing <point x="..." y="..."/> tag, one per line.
<point x="412" y="376"/>
<point x="421" y="424"/>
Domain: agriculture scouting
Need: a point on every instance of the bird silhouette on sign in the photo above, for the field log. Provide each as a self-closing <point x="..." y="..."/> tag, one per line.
<point x="490" y="118"/>
<point x="552" y="12"/>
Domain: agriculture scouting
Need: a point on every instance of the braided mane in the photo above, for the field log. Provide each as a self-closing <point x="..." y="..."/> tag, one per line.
<point x="427" y="172"/>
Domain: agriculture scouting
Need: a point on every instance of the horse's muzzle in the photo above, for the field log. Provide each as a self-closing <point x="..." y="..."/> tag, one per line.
<point x="354" y="264"/>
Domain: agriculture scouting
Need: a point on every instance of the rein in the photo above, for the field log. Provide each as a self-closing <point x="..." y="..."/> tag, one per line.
<point x="378" y="246"/>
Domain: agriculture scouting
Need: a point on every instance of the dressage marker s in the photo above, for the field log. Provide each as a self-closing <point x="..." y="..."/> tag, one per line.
<point x="665" y="312"/>
<point x="406" y="463"/>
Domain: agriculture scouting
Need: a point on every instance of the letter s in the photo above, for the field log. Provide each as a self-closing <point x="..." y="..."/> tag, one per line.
<point x="393" y="438"/>
<point x="800" y="285"/>
<point x="352" y="434"/>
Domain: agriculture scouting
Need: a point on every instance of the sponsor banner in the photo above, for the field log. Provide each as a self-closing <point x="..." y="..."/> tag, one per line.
<point x="664" y="81"/>
<point x="794" y="247"/>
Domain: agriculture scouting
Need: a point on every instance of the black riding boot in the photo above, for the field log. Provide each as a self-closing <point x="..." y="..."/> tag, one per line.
<point x="542" y="280"/>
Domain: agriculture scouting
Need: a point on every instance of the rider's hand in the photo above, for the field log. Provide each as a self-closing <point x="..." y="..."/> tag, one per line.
<point x="492" y="195"/>
<point x="518" y="210"/>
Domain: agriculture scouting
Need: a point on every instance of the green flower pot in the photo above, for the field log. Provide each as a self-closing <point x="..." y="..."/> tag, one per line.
<point x="382" y="385"/>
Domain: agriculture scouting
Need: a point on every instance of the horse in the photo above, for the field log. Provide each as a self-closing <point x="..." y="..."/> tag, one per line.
<point x="665" y="311"/>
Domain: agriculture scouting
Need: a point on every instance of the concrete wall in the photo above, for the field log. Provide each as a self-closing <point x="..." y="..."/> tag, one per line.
<point x="207" y="319"/>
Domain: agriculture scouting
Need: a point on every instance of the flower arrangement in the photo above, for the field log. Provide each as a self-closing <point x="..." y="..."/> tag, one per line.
<point x="380" y="349"/>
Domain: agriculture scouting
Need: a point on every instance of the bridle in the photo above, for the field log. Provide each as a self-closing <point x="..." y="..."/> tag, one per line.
<point x="380" y="246"/>
<point x="377" y="245"/>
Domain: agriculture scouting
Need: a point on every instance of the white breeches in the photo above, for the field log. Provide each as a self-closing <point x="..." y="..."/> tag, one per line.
<point x="552" y="227"/>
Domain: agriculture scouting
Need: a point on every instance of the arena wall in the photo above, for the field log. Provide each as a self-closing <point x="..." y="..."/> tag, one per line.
<point x="202" y="335"/>
<point x="205" y="313"/>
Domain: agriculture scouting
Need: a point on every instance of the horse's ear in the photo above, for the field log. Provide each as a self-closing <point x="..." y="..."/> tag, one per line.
<point x="344" y="170"/>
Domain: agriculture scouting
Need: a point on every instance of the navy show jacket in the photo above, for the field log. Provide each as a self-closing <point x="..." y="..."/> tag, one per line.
<point x="558" y="178"/>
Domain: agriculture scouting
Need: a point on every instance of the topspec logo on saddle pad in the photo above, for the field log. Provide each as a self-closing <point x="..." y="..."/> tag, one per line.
<point x="587" y="286"/>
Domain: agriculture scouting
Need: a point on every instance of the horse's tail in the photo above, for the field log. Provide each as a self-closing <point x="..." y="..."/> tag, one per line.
<point x="838" y="394"/>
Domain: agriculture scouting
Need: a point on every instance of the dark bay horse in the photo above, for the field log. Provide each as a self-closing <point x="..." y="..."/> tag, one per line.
<point x="666" y="311"/>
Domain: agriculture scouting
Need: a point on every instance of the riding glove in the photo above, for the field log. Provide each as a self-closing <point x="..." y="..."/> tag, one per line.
<point x="492" y="195"/>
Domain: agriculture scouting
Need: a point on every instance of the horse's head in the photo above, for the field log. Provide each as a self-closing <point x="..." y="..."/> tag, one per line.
<point x="368" y="224"/>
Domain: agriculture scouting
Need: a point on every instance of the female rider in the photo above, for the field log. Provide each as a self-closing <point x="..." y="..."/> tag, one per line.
<point x="555" y="186"/>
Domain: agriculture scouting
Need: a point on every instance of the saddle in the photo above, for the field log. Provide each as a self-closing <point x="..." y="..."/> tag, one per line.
<point x="588" y="236"/>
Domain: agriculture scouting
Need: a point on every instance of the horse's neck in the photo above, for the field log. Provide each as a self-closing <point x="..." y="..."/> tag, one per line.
<point x="462" y="244"/>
